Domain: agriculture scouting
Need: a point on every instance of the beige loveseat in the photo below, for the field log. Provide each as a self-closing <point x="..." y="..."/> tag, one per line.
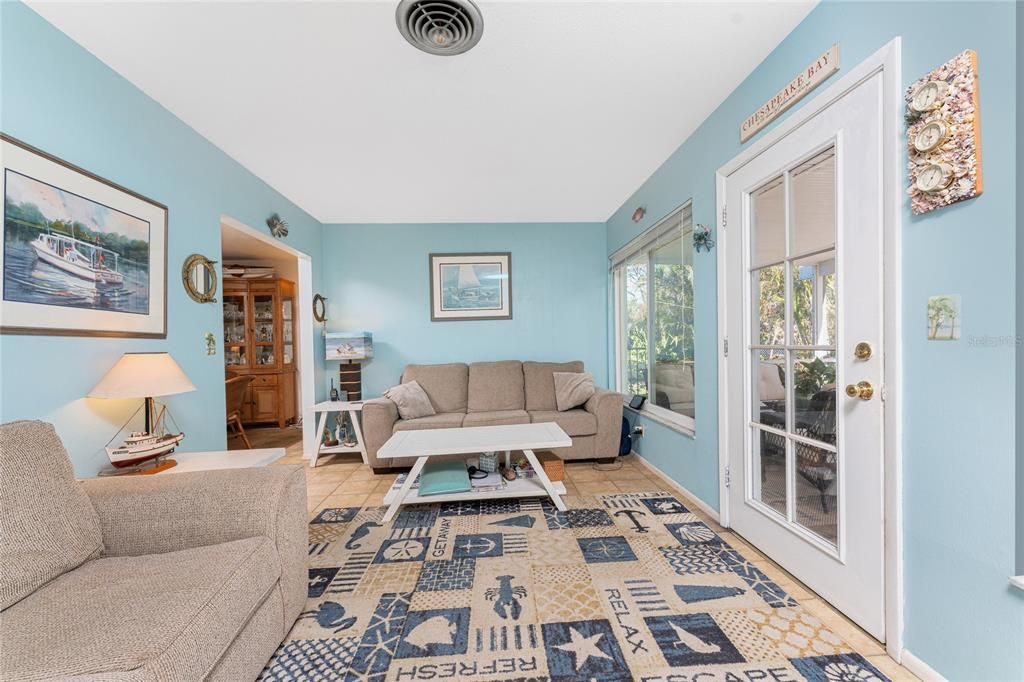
<point x="495" y="393"/>
<point x="192" y="576"/>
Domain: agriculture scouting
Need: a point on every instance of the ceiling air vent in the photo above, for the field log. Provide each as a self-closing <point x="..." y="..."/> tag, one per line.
<point x="443" y="27"/>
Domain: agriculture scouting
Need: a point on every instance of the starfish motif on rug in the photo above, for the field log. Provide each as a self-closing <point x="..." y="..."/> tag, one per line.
<point x="583" y="647"/>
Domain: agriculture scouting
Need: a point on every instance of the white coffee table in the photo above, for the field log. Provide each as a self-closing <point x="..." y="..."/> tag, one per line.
<point x="470" y="441"/>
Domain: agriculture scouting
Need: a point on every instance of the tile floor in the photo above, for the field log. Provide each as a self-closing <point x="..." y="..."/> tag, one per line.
<point x="344" y="481"/>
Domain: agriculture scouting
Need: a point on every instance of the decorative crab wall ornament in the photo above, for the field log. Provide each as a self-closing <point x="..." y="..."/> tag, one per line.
<point x="702" y="238"/>
<point x="278" y="226"/>
<point x="639" y="213"/>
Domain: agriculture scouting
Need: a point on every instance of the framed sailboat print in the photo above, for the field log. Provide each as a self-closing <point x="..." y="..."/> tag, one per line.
<point x="82" y="256"/>
<point x="471" y="286"/>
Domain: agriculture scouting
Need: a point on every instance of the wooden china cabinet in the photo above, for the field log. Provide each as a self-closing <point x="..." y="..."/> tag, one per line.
<point x="259" y="341"/>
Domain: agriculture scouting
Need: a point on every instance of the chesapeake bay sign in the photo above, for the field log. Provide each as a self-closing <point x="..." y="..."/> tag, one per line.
<point x="805" y="81"/>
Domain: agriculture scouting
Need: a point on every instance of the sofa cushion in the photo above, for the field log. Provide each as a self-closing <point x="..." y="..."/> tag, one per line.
<point x="410" y="399"/>
<point x="539" y="382"/>
<point x="47" y="524"/>
<point x="673" y="385"/>
<point x="572" y="389"/>
<point x="442" y="420"/>
<point x="156" y="616"/>
<point x="446" y="385"/>
<point x="496" y="386"/>
<point x="769" y="382"/>
<point x="496" y="418"/>
<point x="573" y="422"/>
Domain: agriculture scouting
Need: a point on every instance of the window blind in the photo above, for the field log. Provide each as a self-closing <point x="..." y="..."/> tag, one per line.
<point x="662" y="232"/>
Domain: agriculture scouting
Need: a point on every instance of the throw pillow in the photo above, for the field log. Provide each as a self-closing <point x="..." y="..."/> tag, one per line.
<point x="411" y="399"/>
<point x="572" y="389"/>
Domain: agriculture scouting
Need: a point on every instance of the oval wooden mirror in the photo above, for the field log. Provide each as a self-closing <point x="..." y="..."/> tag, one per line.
<point x="200" y="278"/>
<point x="319" y="308"/>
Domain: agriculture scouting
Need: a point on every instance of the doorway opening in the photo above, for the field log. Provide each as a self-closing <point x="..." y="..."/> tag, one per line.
<point x="268" y="342"/>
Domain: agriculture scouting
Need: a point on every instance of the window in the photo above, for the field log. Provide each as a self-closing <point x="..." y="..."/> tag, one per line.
<point x="653" y="281"/>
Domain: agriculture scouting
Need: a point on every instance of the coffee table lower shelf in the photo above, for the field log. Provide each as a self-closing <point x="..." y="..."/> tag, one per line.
<point x="521" y="487"/>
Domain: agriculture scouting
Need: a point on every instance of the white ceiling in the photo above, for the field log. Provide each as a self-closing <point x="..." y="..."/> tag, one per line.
<point x="559" y="114"/>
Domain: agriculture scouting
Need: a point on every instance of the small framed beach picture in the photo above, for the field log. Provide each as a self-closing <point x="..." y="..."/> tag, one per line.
<point x="471" y="286"/>
<point x="82" y="256"/>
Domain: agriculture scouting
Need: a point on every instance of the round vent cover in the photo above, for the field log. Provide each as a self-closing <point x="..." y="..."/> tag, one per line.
<point x="443" y="27"/>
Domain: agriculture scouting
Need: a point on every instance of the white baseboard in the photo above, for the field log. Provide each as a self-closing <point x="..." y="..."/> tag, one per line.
<point x="920" y="668"/>
<point x="690" y="497"/>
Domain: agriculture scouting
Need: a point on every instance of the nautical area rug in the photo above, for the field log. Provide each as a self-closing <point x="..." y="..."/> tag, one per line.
<point x="631" y="586"/>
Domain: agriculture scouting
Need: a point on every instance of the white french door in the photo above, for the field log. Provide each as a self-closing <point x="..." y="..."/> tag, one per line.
<point x="803" y="322"/>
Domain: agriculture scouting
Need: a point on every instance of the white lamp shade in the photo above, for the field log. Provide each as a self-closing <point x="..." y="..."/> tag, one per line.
<point x="143" y="375"/>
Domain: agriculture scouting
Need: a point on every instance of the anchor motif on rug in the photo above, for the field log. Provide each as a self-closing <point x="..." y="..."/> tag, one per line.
<point x="504" y="597"/>
<point x="632" y="515"/>
<point x="330" y="615"/>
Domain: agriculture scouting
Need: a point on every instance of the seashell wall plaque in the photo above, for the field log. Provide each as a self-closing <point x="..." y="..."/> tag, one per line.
<point x="944" y="135"/>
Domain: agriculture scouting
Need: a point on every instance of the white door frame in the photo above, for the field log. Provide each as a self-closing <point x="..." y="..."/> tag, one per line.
<point x="307" y="394"/>
<point x="886" y="61"/>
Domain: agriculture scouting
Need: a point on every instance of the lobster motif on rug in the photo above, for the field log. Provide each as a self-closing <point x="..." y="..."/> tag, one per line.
<point x="505" y="597"/>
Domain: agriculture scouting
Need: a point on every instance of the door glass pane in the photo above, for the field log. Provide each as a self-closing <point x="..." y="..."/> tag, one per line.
<point x="814" y="395"/>
<point x="234" y="354"/>
<point x="673" y="326"/>
<point x="264" y="355"/>
<point x="768" y="469"/>
<point x="287" y="330"/>
<point x="794" y="388"/>
<point x="769" y="387"/>
<point x="234" y="319"/>
<point x="263" y="318"/>
<point x="635" y="301"/>
<point x="813" y="204"/>
<point x="770" y="294"/>
<point x="768" y="223"/>
<point x="816" y="486"/>
<point x="814" y="299"/>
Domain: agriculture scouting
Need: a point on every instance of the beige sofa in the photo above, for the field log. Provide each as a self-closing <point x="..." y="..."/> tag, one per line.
<point x="494" y="393"/>
<point x="193" y="576"/>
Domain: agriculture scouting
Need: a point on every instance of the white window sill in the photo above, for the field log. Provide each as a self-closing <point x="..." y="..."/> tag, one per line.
<point x="668" y="422"/>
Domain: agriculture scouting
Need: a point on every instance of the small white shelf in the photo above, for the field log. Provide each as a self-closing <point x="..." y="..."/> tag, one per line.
<point x="521" y="487"/>
<point x="334" y="449"/>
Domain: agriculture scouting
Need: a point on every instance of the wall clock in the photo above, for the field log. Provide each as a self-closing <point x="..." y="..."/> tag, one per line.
<point x="944" y="135"/>
<point x="931" y="136"/>
<point x="928" y="96"/>
<point x="934" y="177"/>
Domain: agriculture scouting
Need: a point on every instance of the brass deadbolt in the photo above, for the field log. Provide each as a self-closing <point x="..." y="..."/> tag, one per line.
<point x="862" y="351"/>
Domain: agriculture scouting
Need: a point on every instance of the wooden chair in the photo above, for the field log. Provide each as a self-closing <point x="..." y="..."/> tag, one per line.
<point x="234" y="392"/>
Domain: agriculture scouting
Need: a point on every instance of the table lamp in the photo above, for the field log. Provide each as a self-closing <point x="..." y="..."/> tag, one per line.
<point x="144" y="375"/>
<point x="351" y="348"/>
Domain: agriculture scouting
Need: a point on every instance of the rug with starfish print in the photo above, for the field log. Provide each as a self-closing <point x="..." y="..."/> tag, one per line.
<point x="630" y="586"/>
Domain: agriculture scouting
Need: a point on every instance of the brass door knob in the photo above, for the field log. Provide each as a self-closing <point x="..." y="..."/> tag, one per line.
<point x="862" y="389"/>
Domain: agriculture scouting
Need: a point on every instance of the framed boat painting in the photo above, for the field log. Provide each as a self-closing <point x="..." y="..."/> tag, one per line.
<point x="82" y="256"/>
<point x="470" y="286"/>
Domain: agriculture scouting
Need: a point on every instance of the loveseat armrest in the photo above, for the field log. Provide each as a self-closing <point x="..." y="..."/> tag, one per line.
<point x="142" y="515"/>
<point x="607" y="407"/>
<point x="379" y="417"/>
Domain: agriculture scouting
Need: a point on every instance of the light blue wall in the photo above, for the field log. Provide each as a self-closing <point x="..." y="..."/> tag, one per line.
<point x="58" y="97"/>
<point x="378" y="279"/>
<point x="962" y="618"/>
